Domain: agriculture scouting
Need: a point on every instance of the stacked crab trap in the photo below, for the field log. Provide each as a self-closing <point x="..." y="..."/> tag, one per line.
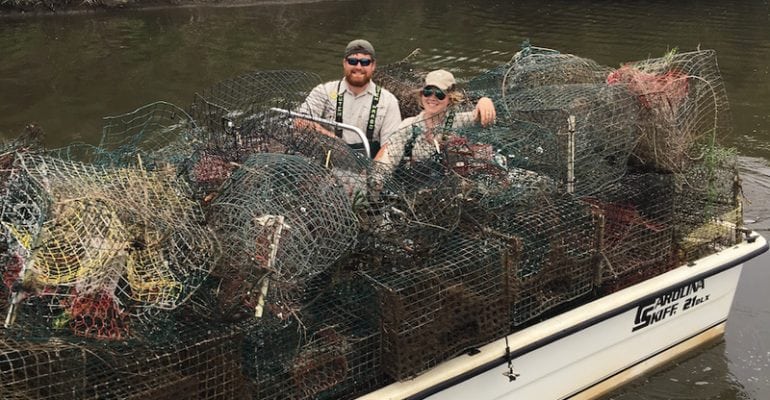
<point x="223" y="250"/>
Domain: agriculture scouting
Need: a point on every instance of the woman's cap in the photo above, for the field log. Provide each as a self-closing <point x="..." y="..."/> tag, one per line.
<point x="359" y="46"/>
<point x="440" y="78"/>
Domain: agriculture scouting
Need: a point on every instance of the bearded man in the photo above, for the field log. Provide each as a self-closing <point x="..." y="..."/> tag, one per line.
<point x="354" y="100"/>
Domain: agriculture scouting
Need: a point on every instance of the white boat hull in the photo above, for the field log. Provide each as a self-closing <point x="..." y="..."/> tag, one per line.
<point x="589" y="350"/>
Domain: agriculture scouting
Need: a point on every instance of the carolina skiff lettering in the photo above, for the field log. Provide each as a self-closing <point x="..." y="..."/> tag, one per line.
<point x="668" y="304"/>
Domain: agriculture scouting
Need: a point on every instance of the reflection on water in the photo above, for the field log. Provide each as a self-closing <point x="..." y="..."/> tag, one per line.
<point x="700" y="377"/>
<point x="67" y="72"/>
<point x="755" y="173"/>
<point x="748" y="330"/>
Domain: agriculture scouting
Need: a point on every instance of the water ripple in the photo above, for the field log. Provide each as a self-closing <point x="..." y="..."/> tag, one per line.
<point x="755" y="174"/>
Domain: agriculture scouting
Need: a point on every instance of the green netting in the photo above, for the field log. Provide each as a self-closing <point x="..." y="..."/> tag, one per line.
<point x="81" y="152"/>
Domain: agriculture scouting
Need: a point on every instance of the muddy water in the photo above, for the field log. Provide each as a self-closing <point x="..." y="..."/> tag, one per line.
<point x="66" y="72"/>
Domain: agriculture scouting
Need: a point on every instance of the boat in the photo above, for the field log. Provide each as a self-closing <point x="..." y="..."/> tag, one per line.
<point x="222" y="250"/>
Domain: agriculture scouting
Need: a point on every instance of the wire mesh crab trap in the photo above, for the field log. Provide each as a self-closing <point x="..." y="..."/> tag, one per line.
<point x="201" y="363"/>
<point x="236" y="112"/>
<point x="247" y="115"/>
<point x="332" y="350"/>
<point x="522" y="145"/>
<point x="448" y="303"/>
<point x="112" y="245"/>
<point x="707" y="204"/>
<point x="683" y="107"/>
<point x="555" y="242"/>
<point x="156" y="134"/>
<point x="402" y="78"/>
<point x="533" y="67"/>
<point x="284" y="220"/>
<point x="232" y="252"/>
<point x="593" y="126"/>
<point x="636" y="224"/>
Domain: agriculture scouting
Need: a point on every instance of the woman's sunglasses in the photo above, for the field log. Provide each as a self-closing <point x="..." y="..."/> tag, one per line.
<point x="363" y="61"/>
<point x="432" y="90"/>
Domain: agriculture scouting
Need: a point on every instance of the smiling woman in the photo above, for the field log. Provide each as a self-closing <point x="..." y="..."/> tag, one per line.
<point x="418" y="137"/>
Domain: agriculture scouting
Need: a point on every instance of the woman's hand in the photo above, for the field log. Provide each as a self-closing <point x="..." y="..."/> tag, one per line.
<point x="485" y="111"/>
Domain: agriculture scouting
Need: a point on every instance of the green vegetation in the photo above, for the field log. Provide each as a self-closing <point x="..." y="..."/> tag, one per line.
<point x="58" y="5"/>
<point x="48" y="6"/>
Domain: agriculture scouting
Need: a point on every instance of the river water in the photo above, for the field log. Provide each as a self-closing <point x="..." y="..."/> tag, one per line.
<point x="65" y="72"/>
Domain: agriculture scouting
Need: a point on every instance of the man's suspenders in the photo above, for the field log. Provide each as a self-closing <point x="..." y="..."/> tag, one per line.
<point x="374" y="145"/>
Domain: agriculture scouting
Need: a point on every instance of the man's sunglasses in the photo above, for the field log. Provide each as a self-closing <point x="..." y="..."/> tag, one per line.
<point x="432" y="90"/>
<point x="363" y="61"/>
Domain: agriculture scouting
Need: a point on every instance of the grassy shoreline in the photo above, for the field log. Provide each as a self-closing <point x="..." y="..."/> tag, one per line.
<point x="19" y="7"/>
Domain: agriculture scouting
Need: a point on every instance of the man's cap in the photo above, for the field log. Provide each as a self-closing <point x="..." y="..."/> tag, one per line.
<point x="440" y="78"/>
<point x="359" y="46"/>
